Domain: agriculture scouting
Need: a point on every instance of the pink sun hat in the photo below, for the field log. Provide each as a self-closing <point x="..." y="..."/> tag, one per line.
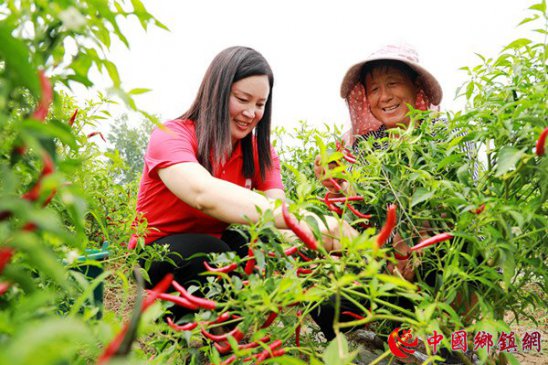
<point x="405" y="54"/>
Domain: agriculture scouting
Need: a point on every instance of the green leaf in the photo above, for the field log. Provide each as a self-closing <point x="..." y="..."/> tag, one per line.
<point x="15" y="53"/>
<point x="421" y="195"/>
<point x="53" y="129"/>
<point x="540" y="7"/>
<point x="508" y="268"/>
<point x="138" y="91"/>
<point x="527" y="20"/>
<point x="518" y="43"/>
<point x="113" y="73"/>
<point x="50" y="341"/>
<point x="396" y="281"/>
<point x="337" y="353"/>
<point x="508" y="157"/>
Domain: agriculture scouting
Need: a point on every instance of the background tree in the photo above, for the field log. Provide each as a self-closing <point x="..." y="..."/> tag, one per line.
<point x="129" y="144"/>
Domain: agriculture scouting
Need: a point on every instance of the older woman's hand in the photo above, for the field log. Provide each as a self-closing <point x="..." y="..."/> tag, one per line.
<point x="319" y="171"/>
<point x="403" y="267"/>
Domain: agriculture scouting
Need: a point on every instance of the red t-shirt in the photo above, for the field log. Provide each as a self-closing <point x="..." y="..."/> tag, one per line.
<point x="165" y="213"/>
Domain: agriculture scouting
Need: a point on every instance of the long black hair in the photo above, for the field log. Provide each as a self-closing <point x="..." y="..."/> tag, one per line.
<point x="210" y="112"/>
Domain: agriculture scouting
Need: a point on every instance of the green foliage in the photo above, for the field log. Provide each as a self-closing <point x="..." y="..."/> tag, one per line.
<point x="57" y="194"/>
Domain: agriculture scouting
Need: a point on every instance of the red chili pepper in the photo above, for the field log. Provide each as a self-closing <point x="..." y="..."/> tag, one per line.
<point x="265" y="354"/>
<point x="304" y="257"/>
<point x="307" y="237"/>
<point x="222" y="318"/>
<point x="288" y="251"/>
<point x="20" y="150"/>
<point x="334" y="208"/>
<point x="34" y="193"/>
<point x="46" y="97"/>
<point x="158" y="290"/>
<point x="200" y="302"/>
<point x="399" y="257"/>
<point x="348" y="156"/>
<point x="113" y="346"/>
<point x="389" y="225"/>
<point x="236" y="333"/>
<point x="335" y="184"/>
<point x="352" y="314"/>
<point x="357" y="213"/>
<point x="73" y="117"/>
<point x="278" y="353"/>
<point x="224" y="269"/>
<point x="541" y="142"/>
<point x="6" y="254"/>
<point x="343" y="199"/>
<point x="479" y="209"/>
<point x="95" y="134"/>
<point x="291" y="251"/>
<point x="186" y="327"/>
<point x="302" y="271"/>
<point x="30" y="227"/>
<point x="180" y="301"/>
<point x="229" y="360"/>
<point x="271" y="317"/>
<point x="49" y="198"/>
<point x="49" y="166"/>
<point x="252" y="345"/>
<point x="431" y="241"/>
<point x="331" y="206"/>
<point x="250" y="264"/>
<point x="224" y="348"/>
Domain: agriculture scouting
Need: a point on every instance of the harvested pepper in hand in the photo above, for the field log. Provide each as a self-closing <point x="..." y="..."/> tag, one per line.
<point x="307" y="237"/>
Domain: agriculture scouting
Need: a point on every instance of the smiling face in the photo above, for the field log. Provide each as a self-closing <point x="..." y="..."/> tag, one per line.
<point x="246" y="105"/>
<point x="388" y="91"/>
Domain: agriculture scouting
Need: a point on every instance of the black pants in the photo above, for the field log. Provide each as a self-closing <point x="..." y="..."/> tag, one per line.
<point x="187" y="271"/>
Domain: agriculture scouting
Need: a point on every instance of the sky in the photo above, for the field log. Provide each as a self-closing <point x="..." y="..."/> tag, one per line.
<point x="309" y="44"/>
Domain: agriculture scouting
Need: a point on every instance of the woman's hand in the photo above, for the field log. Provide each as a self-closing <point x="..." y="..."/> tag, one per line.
<point x="319" y="171"/>
<point x="403" y="267"/>
<point x="333" y="232"/>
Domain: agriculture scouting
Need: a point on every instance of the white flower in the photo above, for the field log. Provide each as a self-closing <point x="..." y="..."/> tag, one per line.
<point x="72" y="256"/>
<point x="516" y="231"/>
<point x="72" y="18"/>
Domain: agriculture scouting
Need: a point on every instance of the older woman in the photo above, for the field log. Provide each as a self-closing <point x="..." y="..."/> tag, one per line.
<point x="378" y="92"/>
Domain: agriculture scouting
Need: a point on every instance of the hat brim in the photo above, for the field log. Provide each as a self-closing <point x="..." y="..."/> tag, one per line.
<point x="426" y="80"/>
